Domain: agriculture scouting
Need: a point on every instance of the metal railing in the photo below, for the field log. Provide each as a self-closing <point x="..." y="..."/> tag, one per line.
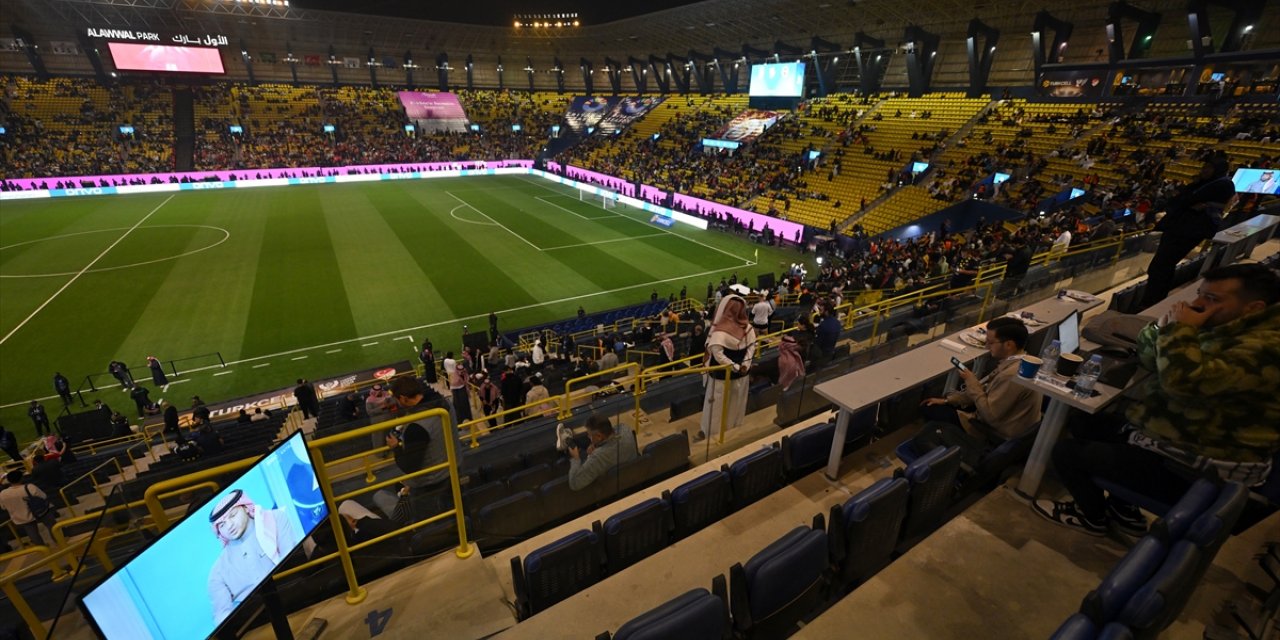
<point x="93" y="478"/>
<point x="91" y="381"/>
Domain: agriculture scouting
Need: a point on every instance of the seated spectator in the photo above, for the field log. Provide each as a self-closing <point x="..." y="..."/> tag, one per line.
<point x="243" y="417"/>
<point x="609" y="448"/>
<point x="260" y="414"/>
<point x="1213" y="407"/>
<point x="208" y="439"/>
<point x="987" y="411"/>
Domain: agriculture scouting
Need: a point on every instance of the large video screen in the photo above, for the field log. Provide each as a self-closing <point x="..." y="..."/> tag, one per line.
<point x="1264" y="181"/>
<point x="780" y="80"/>
<point x="187" y="583"/>
<point x="154" y="57"/>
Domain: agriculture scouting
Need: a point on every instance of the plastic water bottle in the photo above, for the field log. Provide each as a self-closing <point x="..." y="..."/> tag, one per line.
<point x="1049" y="354"/>
<point x="1087" y="376"/>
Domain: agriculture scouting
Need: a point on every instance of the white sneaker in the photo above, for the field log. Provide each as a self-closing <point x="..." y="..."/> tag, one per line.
<point x="564" y="436"/>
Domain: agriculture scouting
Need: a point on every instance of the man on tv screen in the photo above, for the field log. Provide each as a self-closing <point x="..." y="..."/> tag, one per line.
<point x="1266" y="183"/>
<point x="254" y="540"/>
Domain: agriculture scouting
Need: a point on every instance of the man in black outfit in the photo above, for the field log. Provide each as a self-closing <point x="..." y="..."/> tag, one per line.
<point x="63" y="387"/>
<point x="1193" y="216"/>
<point x="305" y="394"/>
<point x="39" y="418"/>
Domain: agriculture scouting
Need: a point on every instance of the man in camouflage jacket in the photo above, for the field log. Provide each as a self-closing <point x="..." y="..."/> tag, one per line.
<point x="1211" y="407"/>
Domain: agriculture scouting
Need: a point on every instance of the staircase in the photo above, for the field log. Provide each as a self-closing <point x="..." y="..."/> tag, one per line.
<point x="184" y="130"/>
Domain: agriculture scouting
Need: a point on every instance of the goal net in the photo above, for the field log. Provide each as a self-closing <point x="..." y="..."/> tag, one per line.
<point x="605" y="199"/>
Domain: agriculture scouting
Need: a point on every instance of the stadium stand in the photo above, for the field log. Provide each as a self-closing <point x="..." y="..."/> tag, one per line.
<point x="676" y="518"/>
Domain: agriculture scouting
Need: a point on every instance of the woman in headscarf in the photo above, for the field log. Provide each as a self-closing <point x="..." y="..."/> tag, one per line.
<point x="731" y="341"/>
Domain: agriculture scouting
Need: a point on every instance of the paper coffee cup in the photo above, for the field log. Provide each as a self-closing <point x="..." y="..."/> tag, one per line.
<point x="1068" y="364"/>
<point x="1030" y="366"/>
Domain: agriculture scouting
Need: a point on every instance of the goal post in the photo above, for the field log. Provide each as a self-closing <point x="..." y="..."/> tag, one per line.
<point x="604" y="198"/>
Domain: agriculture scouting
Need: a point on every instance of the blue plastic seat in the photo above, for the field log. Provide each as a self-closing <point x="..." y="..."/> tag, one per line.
<point x="1176" y="520"/>
<point x="696" y="615"/>
<point x="699" y="502"/>
<point x="932" y="478"/>
<point x="755" y="476"/>
<point x="781" y="584"/>
<point x="1156" y="604"/>
<point x="555" y="572"/>
<point x="635" y="533"/>
<point x="1103" y="604"/>
<point x="807" y="449"/>
<point x="865" y="530"/>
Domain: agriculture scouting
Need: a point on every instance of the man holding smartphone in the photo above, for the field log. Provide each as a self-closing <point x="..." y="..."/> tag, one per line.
<point x="986" y="411"/>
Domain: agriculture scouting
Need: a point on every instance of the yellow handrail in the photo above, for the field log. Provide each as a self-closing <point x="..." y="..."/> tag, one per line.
<point x="96" y="487"/>
<point x="567" y="408"/>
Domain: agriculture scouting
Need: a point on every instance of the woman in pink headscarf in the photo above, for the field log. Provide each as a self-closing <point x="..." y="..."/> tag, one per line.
<point x="731" y="341"/>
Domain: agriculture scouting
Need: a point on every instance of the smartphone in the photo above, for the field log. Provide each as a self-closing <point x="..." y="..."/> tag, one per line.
<point x="955" y="362"/>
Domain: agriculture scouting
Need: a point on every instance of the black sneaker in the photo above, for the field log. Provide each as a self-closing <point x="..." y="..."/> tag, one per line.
<point x="1127" y="519"/>
<point x="1067" y="515"/>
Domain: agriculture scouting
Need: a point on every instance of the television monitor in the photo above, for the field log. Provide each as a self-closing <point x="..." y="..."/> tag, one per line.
<point x="1126" y="79"/>
<point x="187" y="582"/>
<point x="813" y="155"/>
<point x="999" y="178"/>
<point x="778" y="80"/>
<point x="163" y="58"/>
<point x="1069" y="333"/>
<point x="409" y="128"/>
<point x="475" y="127"/>
<point x="720" y="144"/>
<point x="1217" y="77"/>
<point x="1076" y="193"/>
<point x="516" y="127"/>
<point x="126" y="130"/>
<point x="1262" y="181"/>
<point x="328" y="128"/>
<point x="555" y="129"/>
<point x="919" y="167"/>
<point x="235" y="128"/>
<point x="3" y="131"/>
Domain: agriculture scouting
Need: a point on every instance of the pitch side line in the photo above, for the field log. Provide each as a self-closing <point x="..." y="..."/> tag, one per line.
<point x="590" y="244"/>
<point x="504" y="227"/>
<point x="641" y="222"/>
<point x="595" y="219"/>
<point x="84" y="270"/>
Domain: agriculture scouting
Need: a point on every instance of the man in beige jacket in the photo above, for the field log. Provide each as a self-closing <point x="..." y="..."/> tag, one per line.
<point x="987" y="411"/>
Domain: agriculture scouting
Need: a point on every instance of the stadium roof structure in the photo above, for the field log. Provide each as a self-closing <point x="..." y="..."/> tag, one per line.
<point x="712" y="30"/>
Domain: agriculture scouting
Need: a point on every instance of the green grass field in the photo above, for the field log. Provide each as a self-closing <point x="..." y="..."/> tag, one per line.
<point x="309" y="281"/>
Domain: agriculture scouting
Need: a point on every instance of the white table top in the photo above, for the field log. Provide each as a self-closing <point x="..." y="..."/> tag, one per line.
<point x="1056" y="389"/>
<point x="1256" y="224"/>
<point x="882" y="380"/>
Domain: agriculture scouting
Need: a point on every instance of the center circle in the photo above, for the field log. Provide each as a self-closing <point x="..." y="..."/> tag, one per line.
<point x="225" y="236"/>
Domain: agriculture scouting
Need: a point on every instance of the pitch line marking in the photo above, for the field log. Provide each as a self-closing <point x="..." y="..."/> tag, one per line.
<point x="596" y="218"/>
<point x="369" y="344"/>
<point x="454" y="215"/>
<point x="259" y="366"/>
<point x="641" y="222"/>
<point x="432" y="325"/>
<point x="84" y="270"/>
<point x="226" y="235"/>
<point x="504" y="227"/>
<point x="588" y="244"/>
<point x="300" y="358"/>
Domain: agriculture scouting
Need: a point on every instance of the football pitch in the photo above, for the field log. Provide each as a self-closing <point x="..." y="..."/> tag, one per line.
<point x="311" y="281"/>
